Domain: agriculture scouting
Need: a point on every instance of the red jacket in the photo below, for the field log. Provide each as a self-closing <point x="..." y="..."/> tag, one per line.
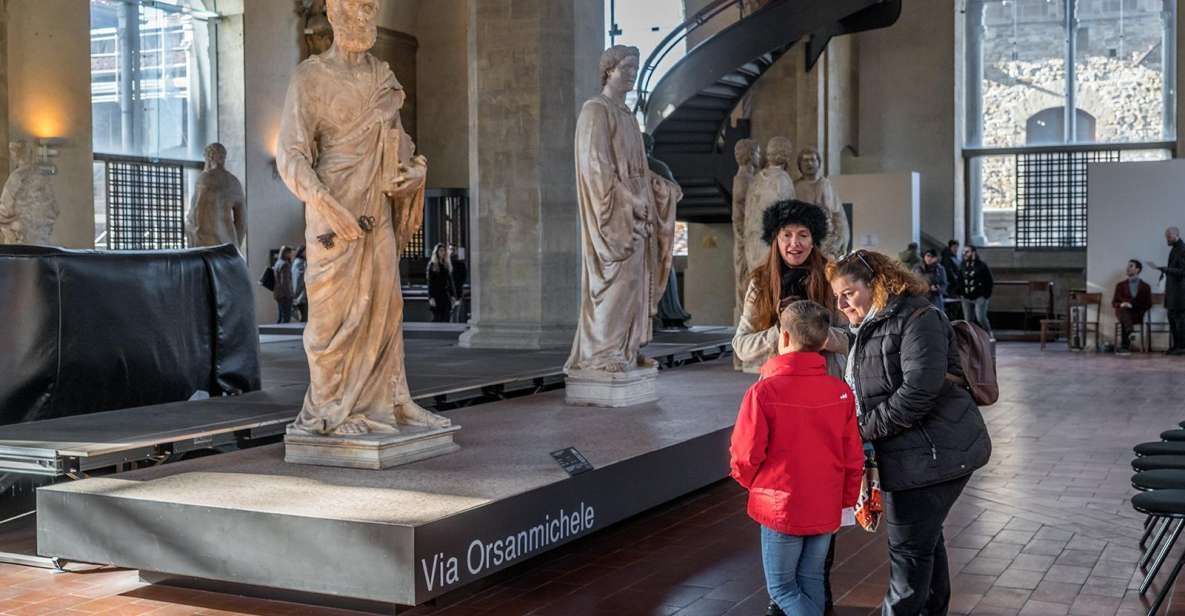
<point x="796" y="446"/>
<point x="1140" y="303"/>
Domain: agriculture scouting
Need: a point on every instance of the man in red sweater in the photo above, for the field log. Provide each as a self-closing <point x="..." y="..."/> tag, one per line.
<point x="796" y="447"/>
<point x="1132" y="298"/>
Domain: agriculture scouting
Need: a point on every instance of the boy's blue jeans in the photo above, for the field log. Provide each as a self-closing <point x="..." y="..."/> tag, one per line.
<point x="794" y="571"/>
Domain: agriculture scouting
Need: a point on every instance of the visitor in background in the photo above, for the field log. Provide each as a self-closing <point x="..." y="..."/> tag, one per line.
<point x="951" y="263"/>
<point x="933" y="272"/>
<point x="460" y="277"/>
<point x="1174" y="289"/>
<point x="909" y="257"/>
<point x="282" y="292"/>
<point x="793" y="271"/>
<point x="975" y="287"/>
<point x="926" y="431"/>
<point x="300" y="296"/>
<point x="1132" y="298"/>
<point x="797" y="450"/>
<point x="440" y="285"/>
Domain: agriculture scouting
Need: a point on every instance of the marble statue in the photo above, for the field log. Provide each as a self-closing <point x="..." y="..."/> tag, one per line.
<point x="28" y="208"/>
<point x="343" y="151"/>
<point x="627" y="215"/>
<point x="770" y="185"/>
<point x="813" y="187"/>
<point x="748" y="155"/>
<point x="670" y="308"/>
<point x="217" y="215"/>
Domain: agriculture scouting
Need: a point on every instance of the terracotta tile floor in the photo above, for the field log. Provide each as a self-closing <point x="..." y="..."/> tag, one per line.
<point x="1045" y="529"/>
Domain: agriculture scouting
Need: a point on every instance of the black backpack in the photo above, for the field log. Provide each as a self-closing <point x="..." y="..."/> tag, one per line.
<point x="268" y="279"/>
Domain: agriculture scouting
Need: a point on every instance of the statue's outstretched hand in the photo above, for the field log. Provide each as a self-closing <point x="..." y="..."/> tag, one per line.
<point x="411" y="177"/>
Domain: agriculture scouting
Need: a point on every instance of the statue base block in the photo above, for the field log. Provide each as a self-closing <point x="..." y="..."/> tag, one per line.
<point x="611" y="389"/>
<point x="373" y="451"/>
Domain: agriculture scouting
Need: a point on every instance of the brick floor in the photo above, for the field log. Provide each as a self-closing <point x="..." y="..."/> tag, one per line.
<point x="1046" y="528"/>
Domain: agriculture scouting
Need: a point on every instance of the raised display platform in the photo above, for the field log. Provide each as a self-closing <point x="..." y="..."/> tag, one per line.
<point x="408" y="534"/>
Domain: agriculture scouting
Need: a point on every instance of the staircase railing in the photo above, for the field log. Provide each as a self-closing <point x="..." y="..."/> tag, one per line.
<point x="676" y="37"/>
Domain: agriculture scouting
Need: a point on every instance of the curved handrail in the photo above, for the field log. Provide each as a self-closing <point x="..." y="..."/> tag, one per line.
<point x="677" y="36"/>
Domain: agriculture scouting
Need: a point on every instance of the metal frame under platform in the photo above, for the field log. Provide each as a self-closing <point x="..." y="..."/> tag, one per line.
<point x="404" y="535"/>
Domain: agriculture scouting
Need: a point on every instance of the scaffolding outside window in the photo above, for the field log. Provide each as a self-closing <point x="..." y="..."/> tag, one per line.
<point x="153" y="99"/>
<point x="1063" y="78"/>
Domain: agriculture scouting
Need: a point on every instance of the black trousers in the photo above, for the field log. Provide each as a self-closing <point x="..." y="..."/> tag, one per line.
<point x="1177" y="327"/>
<point x="919" y="574"/>
<point x="1126" y="323"/>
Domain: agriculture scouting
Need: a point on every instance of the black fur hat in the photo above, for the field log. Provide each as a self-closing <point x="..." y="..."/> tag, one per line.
<point x="794" y="212"/>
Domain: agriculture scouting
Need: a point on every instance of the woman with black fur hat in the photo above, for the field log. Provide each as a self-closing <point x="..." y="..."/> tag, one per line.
<point x="794" y="270"/>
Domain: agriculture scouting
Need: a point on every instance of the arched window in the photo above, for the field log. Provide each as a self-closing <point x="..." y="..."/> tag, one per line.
<point x="1049" y="126"/>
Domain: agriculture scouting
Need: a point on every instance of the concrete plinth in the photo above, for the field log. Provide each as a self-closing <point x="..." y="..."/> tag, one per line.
<point x="374" y="451"/>
<point x="611" y="389"/>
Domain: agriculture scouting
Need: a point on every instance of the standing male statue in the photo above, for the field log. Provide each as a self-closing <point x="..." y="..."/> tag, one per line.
<point x="627" y="215"/>
<point x="217" y="215"/>
<point x="28" y="208"/>
<point x="670" y="308"/>
<point x="771" y="185"/>
<point x="748" y="155"/>
<point x="814" y="188"/>
<point x="342" y="150"/>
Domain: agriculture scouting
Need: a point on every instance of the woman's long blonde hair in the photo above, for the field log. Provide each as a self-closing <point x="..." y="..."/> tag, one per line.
<point x="886" y="276"/>
<point x="767" y="283"/>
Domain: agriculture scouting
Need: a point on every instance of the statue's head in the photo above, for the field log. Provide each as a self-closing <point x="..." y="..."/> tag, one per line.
<point x="215" y="156"/>
<point x="745" y="151"/>
<point x="810" y="162"/>
<point x="19" y="153"/>
<point x="355" y="23"/>
<point x="779" y="152"/>
<point x="619" y="66"/>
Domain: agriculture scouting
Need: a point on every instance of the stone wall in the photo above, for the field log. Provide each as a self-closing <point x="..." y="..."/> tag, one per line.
<point x="443" y="110"/>
<point x="4" y="89"/>
<point x="48" y="57"/>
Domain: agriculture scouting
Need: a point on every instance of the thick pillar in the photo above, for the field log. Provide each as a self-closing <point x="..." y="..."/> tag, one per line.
<point x="532" y="64"/>
<point x="1179" y="78"/>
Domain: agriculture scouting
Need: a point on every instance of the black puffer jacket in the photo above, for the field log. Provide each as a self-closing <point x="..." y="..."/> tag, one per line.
<point x="925" y="429"/>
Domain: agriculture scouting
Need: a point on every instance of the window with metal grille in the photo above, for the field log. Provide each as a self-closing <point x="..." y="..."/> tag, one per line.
<point x="145" y="205"/>
<point x="1051" y="197"/>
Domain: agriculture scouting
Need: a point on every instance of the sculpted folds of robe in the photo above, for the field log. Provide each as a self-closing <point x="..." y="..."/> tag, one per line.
<point x="332" y="137"/>
<point x="740" y="264"/>
<point x="769" y="186"/>
<point x="821" y="193"/>
<point x="627" y="216"/>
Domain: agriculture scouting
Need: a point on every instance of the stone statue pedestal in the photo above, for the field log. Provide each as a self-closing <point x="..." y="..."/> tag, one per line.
<point x="611" y="389"/>
<point x="374" y="451"/>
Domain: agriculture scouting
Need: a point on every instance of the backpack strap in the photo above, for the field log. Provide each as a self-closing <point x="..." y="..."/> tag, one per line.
<point x="953" y="378"/>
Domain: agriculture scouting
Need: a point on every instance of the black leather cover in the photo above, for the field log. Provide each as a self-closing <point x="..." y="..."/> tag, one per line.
<point x="86" y="331"/>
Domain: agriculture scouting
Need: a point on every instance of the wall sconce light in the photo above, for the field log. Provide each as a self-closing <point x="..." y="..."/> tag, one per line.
<point x="48" y="148"/>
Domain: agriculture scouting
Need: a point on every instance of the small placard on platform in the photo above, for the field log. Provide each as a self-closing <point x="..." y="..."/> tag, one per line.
<point x="572" y="461"/>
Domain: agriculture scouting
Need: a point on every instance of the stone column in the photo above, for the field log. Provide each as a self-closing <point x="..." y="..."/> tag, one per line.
<point x="1179" y="77"/>
<point x="532" y="64"/>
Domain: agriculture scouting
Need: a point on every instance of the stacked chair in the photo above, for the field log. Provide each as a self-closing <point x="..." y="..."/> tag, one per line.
<point x="1160" y="479"/>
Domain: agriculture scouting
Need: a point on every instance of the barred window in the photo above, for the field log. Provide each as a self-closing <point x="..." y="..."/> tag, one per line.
<point x="1051" y="197"/>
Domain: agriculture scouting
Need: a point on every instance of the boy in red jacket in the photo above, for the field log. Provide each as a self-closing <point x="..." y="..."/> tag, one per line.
<point x="796" y="447"/>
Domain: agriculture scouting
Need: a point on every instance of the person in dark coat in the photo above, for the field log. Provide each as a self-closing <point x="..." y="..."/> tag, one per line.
<point x="951" y="263"/>
<point x="933" y="272"/>
<point x="926" y="431"/>
<point x="282" y="292"/>
<point x="975" y="286"/>
<point x="1132" y="299"/>
<point x="440" y="285"/>
<point x="1174" y="289"/>
<point x="460" y="277"/>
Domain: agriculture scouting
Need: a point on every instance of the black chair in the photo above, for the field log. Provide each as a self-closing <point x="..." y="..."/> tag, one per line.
<point x="1168" y="505"/>
<point x="1160" y="448"/>
<point x="1173" y="435"/>
<point x="1152" y="463"/>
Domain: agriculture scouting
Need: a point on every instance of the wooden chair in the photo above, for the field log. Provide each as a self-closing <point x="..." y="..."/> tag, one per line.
<point x="1080" y="322"/>
<point x="1037" y="296"/>
<point x="1152" y="328"/>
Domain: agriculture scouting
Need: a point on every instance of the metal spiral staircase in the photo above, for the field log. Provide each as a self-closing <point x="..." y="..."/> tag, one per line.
<point x="687" y="112"/>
